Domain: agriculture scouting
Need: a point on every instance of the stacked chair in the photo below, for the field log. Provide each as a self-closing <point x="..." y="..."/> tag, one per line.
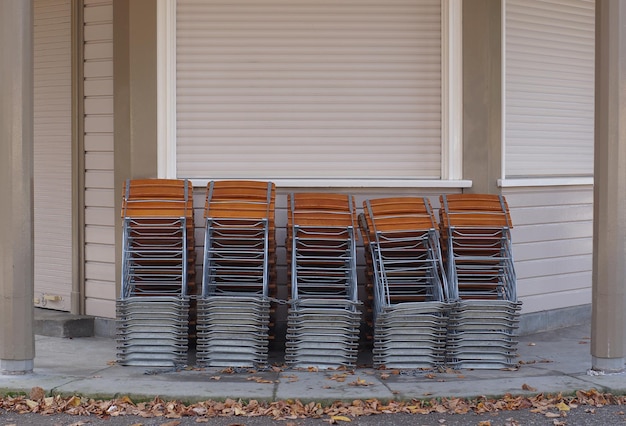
<point x="238" y="274"/>
<point x="475" y="235"/>
<point x="323" y="323"/>
<point x="409" y="298"/>
<point x="158" y="266"/>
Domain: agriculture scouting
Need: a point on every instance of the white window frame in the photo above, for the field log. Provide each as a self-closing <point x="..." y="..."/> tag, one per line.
<point x="451" y="107"/>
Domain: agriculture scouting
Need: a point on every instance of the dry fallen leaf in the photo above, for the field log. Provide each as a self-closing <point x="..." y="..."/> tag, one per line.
<point x="37" y="393"/>
<point x="360" y="382"/>
<point x="528" y="388"/>
<point x="338" y="377"/>
<point x="258" y="379"/>
<point x="340" y="419"/>
<point x="31" y="404"/>
<point x="553" y="407"/>
<point x="562" y="406"/>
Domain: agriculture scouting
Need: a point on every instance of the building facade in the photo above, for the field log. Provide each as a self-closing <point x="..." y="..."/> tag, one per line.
<point x="374" y="98"/>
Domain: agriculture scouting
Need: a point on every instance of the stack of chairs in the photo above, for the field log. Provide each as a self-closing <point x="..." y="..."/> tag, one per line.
<point x="158" y="265"/>
<point x="323" y="323"/>
<point x="238" y="274"/>
<point x="475" y="234"/>
<point x="409" y="296"/>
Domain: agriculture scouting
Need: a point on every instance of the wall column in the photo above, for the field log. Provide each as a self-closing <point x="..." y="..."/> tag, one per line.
<point x="17" y="342"/>
<point x="482" y="94"/>
<point x="135" y="100"/>
<point x="609" y="242"/>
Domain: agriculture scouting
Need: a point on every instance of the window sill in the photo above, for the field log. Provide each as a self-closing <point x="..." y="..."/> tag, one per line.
<point x="556" y="181"/>
<point x="359" y="183"/>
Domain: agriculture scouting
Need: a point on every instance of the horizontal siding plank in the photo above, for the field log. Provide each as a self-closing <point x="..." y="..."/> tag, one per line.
<point x="552" y="214"/>
<point x="100" y="271"/>
<point x="522" y="234"/>
<point x="95" y="234"/>
<point x="98" y="32"/>
<point x="98" y="13"/>
<point x="99" y="197"/>
<point x="100" y="290"/>
<point x="99" y="52"/>
<point x="99" y="69"/>
<point x="99" y="142"/>
<point x="548" y="196"/>
<point x="99" y="161"/>
<point x="99" y="179"/>
<point x="553" y="249"/>
<point x="101" y="216"/>
<point x="98" y="87"/>
<point x="104" y="308"/>
<point x="100" y="105"/>
<point x="553" y="266"/>
<point x="100" y="253"/>
<point x="553" y="284"/>
<point x="98" y="123"/>
<point x="550" y="301"/>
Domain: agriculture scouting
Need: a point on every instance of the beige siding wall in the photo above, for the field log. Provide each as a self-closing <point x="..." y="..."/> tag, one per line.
<point x="552" y="245"/>
<point x="99" y="196"/>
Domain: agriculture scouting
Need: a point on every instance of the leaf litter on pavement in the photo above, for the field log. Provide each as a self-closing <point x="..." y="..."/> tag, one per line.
<point x="552" y="406"/>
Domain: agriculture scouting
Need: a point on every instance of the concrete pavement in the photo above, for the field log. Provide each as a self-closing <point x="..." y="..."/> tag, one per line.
<point x="550" y="362"/>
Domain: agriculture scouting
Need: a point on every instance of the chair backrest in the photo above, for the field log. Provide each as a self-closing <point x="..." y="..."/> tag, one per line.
<point x="321" y="210"/>
<point x="240" y="199"/>
<point x="474" y="210"/>
<point x="398" y="215"/>
<point x="157" y="198"/>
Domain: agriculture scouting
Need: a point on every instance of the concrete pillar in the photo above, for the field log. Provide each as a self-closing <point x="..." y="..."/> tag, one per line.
<point x="135" y="99"/>
<point x="17" y="343"/>
<point x="609" y="242"/>
<point x="482" y="94"/>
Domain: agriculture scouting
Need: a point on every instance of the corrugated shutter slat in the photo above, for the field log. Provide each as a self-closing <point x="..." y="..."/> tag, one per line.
<point x="549" y="88"/>
<point x="52" y="151"/>
<point x="303" y="89"/>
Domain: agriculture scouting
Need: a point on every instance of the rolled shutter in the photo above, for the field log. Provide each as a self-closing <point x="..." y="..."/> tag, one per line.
<point x="52" y="153"/>
<point x="549" y="100"/>
<point x="308" y="89"/>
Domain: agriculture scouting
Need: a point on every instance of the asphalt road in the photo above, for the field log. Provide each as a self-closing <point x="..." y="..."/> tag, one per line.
<point x="610" y="415"/>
